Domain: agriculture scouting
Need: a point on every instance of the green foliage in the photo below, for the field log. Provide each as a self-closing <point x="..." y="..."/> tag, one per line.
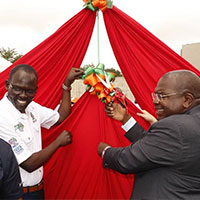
<point x="10" y="54"/>
<point x="117" y="72"/>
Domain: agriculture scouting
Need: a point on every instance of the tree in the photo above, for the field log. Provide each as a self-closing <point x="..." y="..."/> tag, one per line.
<point x="117" y="72"/>
<point x="10" y="54"/>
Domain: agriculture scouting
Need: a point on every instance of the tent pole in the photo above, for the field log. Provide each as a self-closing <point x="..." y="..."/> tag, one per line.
<point x="98" y="43"/>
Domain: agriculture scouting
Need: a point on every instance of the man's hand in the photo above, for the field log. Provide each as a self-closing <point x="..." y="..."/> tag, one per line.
<point x="147" y="116"/>
<point x="64" y="138"/>
<point x="39" y="158"/>
<point x="101" y="147"/>
<point x="75" y="73"/>
<point x="117" y="112"/>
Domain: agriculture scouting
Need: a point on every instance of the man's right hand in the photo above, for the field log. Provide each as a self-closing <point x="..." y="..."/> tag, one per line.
<point x="117" y="112"/>
<point x="64" y="138"/>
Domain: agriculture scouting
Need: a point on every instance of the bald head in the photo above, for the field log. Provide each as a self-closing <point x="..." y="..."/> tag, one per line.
<point x="184" y="81"/>
<point x="176" y="92"/>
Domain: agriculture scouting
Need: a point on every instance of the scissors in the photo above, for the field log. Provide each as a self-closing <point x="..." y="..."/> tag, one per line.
<point x="118" y="95"/>
<point x="106" y="83"/>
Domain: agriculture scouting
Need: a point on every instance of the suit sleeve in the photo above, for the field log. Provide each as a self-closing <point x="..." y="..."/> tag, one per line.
<point x="161" y="146"/>
<point x="135" y="133"/>
<point x="11" y="187"/>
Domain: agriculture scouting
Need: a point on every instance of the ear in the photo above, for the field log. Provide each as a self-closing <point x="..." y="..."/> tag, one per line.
<point x="188" y="100"/>
<point x="6" y="84"/>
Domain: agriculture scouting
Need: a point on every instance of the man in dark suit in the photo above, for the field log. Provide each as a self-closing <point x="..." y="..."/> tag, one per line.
<point x="166" y="159"/>
<point x="10" y="180"/>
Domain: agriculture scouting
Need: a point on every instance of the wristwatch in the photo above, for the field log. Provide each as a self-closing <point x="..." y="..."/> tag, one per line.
<point x="66" y="88"/>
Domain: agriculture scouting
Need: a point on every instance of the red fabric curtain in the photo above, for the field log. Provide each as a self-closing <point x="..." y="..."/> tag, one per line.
<point x="54" y="57"/>
<point x="142" y="57"/>
<point x="75" y="171"/>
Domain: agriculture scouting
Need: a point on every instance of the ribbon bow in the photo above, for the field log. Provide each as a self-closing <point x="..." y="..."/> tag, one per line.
<point x="95" y="4"/>
<point x="99" y="82"/>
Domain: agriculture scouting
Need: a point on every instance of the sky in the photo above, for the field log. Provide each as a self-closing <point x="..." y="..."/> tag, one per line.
<point x="26" y="23"/>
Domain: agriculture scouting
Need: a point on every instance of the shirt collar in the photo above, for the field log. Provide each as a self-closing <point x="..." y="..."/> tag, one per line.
<point x="12" y="107"/>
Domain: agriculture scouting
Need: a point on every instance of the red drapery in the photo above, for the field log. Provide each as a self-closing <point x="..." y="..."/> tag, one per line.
<point x="54" y="57"/>
<point x="142" y="57"/>
<point x="75" y="171"/>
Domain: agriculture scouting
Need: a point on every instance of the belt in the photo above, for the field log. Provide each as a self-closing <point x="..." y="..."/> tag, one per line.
<point x="34" y="188"/>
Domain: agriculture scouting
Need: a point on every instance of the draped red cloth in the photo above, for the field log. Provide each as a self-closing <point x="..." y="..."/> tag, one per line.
<point x="54" y="57"/>
<point x="75" y="171"/>
<point x="142" y="57"/>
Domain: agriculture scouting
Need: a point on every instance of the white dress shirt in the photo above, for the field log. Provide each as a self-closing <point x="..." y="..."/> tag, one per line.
<point x="23" y="132"/>
<point x="129" y="124"/>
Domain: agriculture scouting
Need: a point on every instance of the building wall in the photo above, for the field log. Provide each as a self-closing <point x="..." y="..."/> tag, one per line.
<point x="191" y="52"/>
<point x="4" y="64"/>
<point x="78" y="88"/>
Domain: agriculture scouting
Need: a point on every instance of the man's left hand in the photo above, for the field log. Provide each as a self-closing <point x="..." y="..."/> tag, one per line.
<point x="75" y="73"/>
<point x="101" y="147"/>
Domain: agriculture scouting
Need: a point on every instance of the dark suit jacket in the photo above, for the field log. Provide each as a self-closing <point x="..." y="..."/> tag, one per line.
<point x="10" y="180"/>
<point x="165" y="161"/>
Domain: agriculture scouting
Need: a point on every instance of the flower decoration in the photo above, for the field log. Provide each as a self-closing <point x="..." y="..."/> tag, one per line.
<point x="98" y="4"/>
<point x="99" y="83"/>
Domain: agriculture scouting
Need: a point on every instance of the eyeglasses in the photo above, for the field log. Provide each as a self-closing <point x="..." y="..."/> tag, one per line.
<point x="159" y="97"/>
<point x="19" y="90"/>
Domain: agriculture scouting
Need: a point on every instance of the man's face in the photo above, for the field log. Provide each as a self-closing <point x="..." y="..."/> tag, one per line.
<point x="21" y="89"/>
<point x="170" y="104"/>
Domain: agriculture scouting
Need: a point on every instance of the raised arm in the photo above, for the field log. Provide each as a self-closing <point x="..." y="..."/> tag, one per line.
<point x="65" y="106"/>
